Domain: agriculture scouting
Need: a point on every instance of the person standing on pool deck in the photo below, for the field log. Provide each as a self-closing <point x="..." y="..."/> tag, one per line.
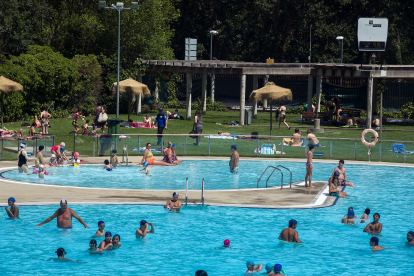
<point x="101" y="229"/>
<point x="22" y="159"/>
<point x="14" y="210"/>
<point x="342" y="174"/>
<point x="251" y="268"/>
<point x="198" y="123"/>
<point x="290" y="234"/>
<point x="410" y="237"/>
<point x="162" y="122"/>
<point x="143" y="229"/>
<point x="64" y="216"/>
<point x="309" y="167"/>
<point x="174" y="204"/>
<point x="374" y="243"/>
<point x="374" y="227"/>
<point x="234" y="160"/>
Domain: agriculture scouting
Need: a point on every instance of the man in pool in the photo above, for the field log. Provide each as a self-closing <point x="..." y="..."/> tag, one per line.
<point x="349" y="218"/>
<point x="61" y="254"/>
<point x="374" y="227"/>
<point x="343" y="180"/>
<point x="290" y="234"/>
<point x="174" y="204"/>
<point x="410" y="237"/>
<point x="14" y="210"/>
<point x="234" y="160"/>
<point x="374" y="243"/>
<point x="143" y="229"/>
<point x="64" y="216"/>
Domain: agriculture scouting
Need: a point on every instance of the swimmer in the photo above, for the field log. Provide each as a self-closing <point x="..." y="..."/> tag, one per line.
<point x="309" y="167"/>
<point x="410" y="237"/>
<point x="107" y="242"/>
<point x="374" y="227"/>
<point x="114" y="159"/>
<point x="234" y="160"/>
<point x="226" y="243"/>
<point x="174" y="204"/>
<point x="374" y="243"/>
<point x="22" y="159"/>
<point x="143" y="229"/>
<point x="333" y="190"/>
<point x="92" y="246"/>
<point x="61" y="254"/>
<point x="251" y="268"/>
<point x="201" y="273"/>
<point x="101" y="229"/>
<point x="64" y="216"/>
<point x="174" y="154"/>
<point x="53" y="162"/>
<point x="75" y="160"/>
<point x="365" y="216"/>
<point x="343" y="180"/>
<point x="278" y="270"/>
<point x="290" y="234"/>
<point x="145" y="169"/>
<point x="351" y="209"/>
<point x="348" y="219"/>
<point x="269" y="269"/>
<point x="116" y="241"/>
<point x="107" y="166"/>
<point x="41" y="171"/>
<point x="14" y="210"/>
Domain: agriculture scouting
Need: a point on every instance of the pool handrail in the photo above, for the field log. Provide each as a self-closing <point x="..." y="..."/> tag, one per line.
<point x="202" y="193"/>
<point x="270" y="175"/>
<point x="276" y="168"/>
<point x="186" y="191"/>
<point x="290" y="174"/>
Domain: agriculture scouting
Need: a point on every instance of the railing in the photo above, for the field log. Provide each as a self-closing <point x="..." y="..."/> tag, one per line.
<point x="290" y="183"/>
<point x="11" y="145"/>
<point x="281" y="181"/>
<point x="274" y="168"/>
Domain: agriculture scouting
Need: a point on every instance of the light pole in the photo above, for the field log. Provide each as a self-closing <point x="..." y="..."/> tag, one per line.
<point x="119" y="7"/>
<point x="341" y="38"/>
<point x="211" y="43"/>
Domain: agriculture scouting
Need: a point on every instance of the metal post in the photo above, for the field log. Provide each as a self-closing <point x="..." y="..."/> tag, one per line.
<point x="123" y="154"/>
<point x="188" y="96"/>
<point x="355" y="149"/>
<point x="242" y="98"/>
<point x="74" y="143"/>
<point x="369" y="101"/>
<point x="18" y="144"/>
<point x="233" y="140"/>
<point x="342" y="51"/>
<point x="204" y="92"/>
<point x="209" y="145"/>
<point x="330" y="150"/>
<point x="53" y="140"/>
<point x="185" y="145"/>
<point x="93" y="146"/>
<point x="404" y="154"/>
<point x="34" y="148"/>
<point x="380" y="127"/>
<point x="202" y="193"/>
<point x="211" y="46"/>
<point x="281" y="148"/>
<point x="257" y="147"/>
<point x="2" y="149"/>
<point x="126" y="146"/>
<point x="186" y="191"/>
<point x="212" y="87"/>
<point x="162" y="142"/>
<point x="139" y="142"/>
<point x="117" y="75"/>
<point x="255" y="87"/>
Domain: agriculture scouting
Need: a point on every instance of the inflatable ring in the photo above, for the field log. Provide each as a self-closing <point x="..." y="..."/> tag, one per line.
<point x="363" y="137"/>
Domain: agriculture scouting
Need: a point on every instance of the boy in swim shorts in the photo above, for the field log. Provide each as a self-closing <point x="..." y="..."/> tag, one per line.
<point x="101" y="230"/>
<point x="114" y="159"/>
<point x="145" y="169"/>
<point x="14" y="210"/>
<point x="234" y="160"/>
<point x="107" y="166"/>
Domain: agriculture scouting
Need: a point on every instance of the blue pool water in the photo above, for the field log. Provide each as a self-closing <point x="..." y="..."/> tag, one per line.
<point x="215" y="173"/>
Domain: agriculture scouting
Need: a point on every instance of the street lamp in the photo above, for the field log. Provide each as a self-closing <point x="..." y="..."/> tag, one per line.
<point x="211" y="43"/>
<point x="342" y="45"/>
<point x="119" y="7"/>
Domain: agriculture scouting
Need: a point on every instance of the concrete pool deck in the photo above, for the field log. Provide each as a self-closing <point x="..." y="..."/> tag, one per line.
<point x="274" y="197"/>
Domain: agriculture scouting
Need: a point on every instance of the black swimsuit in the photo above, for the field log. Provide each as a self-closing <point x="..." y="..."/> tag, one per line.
<point x="22" y="160"/>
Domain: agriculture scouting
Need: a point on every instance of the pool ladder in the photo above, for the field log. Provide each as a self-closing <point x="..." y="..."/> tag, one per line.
<point x="274" y="169"/>
<point x="186" y="192"/>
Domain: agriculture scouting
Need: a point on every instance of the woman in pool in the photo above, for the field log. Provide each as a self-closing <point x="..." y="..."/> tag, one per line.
<point x="116" y="241"/>
<point x="107" y="166"/>
<point x="22" y="159"/>
<point x="39" y="158"/>
<point x="149" y="157"/>
<point x="365" y="216"/>
<point x="309" y="167"/>
<point x="92" y="246"/>
<point x="333" y="190"/>
<point x="100" y="232"/>
<point x="107" y="242"/>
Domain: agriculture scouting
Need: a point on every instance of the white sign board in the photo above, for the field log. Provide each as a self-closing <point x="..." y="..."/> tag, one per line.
<point x="190" y="49"/>
<point x="372" y="34"/>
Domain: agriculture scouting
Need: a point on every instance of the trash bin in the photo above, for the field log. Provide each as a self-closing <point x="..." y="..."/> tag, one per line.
<point x="248" y="117"/>
<point x="113" y="126"/>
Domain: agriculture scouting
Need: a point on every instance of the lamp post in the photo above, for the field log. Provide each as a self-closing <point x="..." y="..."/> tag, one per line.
<point x="211" y="43"/>
<point x="341" y="38"/>
<point x="118" y="7"/>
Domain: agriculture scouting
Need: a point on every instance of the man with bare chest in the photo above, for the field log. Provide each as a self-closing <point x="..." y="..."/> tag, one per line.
<point x="290" y="234"/>
<point x="64" y="216"/>
<point x="174" y="204"/>
<point x="374" y="227"/>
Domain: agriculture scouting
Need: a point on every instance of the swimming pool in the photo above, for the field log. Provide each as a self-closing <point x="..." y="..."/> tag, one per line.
<point x="215" y="173"/>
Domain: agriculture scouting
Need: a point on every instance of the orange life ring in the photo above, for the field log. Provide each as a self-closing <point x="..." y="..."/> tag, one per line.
<point x="363" y="137"/>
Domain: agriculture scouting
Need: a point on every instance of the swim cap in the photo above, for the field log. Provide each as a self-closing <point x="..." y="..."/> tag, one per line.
<point x="63" y="201"/>
<point x="11" y="199"/>
<point x="277" y="268"/>
<point x="22" y="145"/>
<point x="226" y="242"/>
<point x="292" y="222"/>
<point x="351" y="213"/>
<point x="269" y="267"/>
<point x="114" y="151"/>
<point x="375" y="240"/>
<point x="173" y="145"/>
<point x="175" y="193"/>
<point x="410" y="232"/>
<point x="62" y="149"/>
<point x="336" y="173"/>
<point x="62" y="144"/>
<point x="108" y="234"/>
<point x="143" y="222"/>
<point x="60" y="252"/>
<point x="249" y="263"/>
<point x="77" y="154"/>
<point x="53" y="155"/>
<point x="100" y="222"/>
<point x="145" y="164"/>
<point x="234" y="147"/>
<point x="116" y="235"/>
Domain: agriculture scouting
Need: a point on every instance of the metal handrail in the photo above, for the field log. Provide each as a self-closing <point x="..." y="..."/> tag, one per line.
<point x="276" y="168"/>
<point x="290" y="174"/>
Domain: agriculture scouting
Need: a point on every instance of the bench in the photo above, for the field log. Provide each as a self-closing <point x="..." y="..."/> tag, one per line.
<point x="325" y="116"/>
<point x="355" y="112"/>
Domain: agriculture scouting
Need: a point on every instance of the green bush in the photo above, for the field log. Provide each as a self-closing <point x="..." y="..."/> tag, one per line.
<point x="13" y="107"/>
<point x="210" y="106"/>
<point x="407" y="111"/>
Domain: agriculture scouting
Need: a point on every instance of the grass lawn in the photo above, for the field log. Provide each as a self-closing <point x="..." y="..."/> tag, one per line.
<point x="341" y="149"/>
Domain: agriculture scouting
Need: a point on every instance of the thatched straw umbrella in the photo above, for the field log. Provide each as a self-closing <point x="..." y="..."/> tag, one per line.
<point x="272" y="93"/>
<point x="7" y="86"/>
<point x="131" y="87"/>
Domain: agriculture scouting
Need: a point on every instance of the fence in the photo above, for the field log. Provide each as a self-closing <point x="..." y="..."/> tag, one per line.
<point x="215" y="145"/>
<point x="10" y="145"/>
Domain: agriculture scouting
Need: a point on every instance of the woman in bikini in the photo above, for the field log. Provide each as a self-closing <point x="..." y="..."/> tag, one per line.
<point x="337" y="108"/>
<point x="76" y="116"/>
<point x="282" y="110"/>
<point x="39" y="158"/>
<point x="149" y="157"/>
<point x="309" y="167"/>
<point x="44" y="115"/>
<point x="147" y="121"/>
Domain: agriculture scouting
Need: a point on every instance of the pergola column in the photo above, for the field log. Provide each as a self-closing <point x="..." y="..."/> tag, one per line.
<point x="242" y="98"/>
<point x="204" y="92"/>
<point x="138" y="98"/>
<point x="188" y="95"/>
<point x="213" y="87"/>
<point x="255" y="87"/>
<point x="266" y="80"/>
<point x="156" y="87"/>
<point x="310" y="90"/>
<point x="369" y="101"/>
<point x="318" y="93"/>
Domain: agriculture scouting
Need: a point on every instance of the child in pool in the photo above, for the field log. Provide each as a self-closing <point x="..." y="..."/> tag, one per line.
<point x="114" y="159"/>
<point x="92" y="246"/>
<point x="107" y="166"/>
<point x="53" y="162"/>
<point x="100" y="231"/>
<point x="41" y="172"/>
<point x="347" y="215"/>
<point x="145" y="169"/>
<point x="116" y="241"/>
<point x="75" y="160"/>
<point x="365" y="216"/>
